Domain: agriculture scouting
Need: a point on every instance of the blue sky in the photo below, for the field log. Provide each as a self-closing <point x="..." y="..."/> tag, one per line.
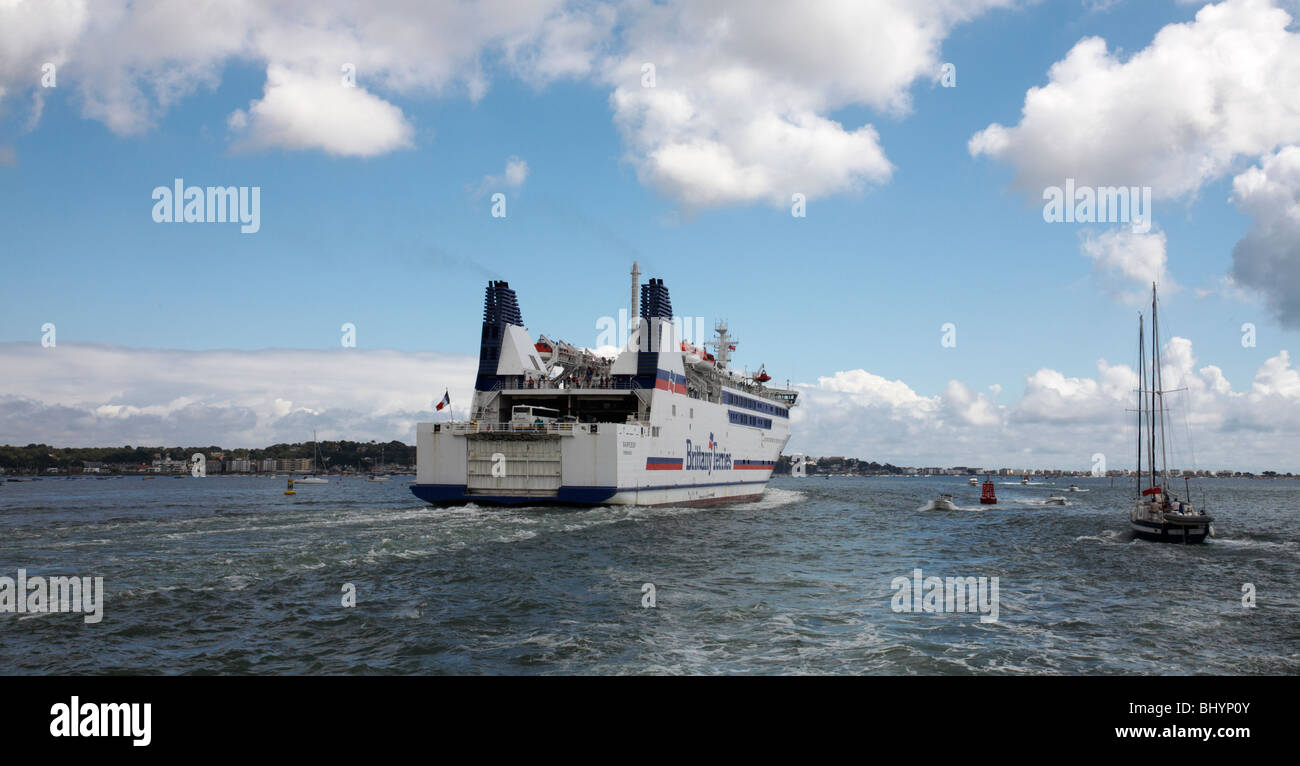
<point x="401" y="243"/>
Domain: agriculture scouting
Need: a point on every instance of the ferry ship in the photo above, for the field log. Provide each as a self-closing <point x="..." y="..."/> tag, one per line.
<point x="662" y="422"/>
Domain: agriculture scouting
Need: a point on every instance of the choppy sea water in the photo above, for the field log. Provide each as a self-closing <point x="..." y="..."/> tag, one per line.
<point x="228" y="575"/>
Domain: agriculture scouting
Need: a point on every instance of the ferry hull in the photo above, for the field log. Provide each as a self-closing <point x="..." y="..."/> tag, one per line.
<point x="697" y="495"/>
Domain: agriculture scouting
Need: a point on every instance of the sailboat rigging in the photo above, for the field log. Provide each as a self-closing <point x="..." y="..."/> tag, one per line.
<point x="1157" y="513"/>
<point x="314" y="479"/>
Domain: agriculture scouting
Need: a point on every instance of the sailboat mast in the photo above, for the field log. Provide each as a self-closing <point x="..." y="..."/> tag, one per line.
<point x="1151" y="417"/>
<point x="1142" y="374"/>
<point x="1159" y="391"/>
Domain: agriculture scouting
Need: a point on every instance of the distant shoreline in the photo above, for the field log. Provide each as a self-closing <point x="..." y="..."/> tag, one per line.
<point x="343" y="457"/>
<point x="336" y="457"/>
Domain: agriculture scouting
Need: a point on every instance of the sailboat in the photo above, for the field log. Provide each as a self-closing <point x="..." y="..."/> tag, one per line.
<point x="1158" y="514"/>
<point x="313" y="479"/>
<point x="375" y="476"/>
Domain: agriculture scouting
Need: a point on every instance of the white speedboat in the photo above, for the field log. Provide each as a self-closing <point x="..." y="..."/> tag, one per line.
<point x="1074" y="488"/>
<point x="943" y="503"/>
<point x="1054" y="500"/>
<point x="974" y="482"/>
<point x="372" y="477"/>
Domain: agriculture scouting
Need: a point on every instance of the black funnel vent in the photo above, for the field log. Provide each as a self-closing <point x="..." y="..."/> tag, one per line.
<point x="501" y="305"/>
<point x="655" y="301"/>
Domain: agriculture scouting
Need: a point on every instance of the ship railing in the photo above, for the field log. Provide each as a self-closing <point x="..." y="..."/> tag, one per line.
<point x="566" y="385"/>
<point x="462" y="427"/>
<point x="478" y="427"/>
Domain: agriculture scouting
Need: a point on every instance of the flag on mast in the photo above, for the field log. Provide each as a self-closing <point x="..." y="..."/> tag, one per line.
<point x="446" y="400"/>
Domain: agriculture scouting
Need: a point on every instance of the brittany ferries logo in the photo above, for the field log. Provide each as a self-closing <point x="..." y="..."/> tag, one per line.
<point x="699" y="459"/>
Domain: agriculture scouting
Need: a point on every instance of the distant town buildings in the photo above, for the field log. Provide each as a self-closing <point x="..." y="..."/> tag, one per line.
<point x="846" y="466"/>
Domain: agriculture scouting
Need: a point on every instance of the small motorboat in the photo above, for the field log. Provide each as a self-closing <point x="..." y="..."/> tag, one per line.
<point x="1074" y="488"/>
<point x="974" y="482"/>
<point x="943" y="503"/>
<point x="373" y="477"/>
<point x="1054" y="500"/>
<point x="1024" y="479"/>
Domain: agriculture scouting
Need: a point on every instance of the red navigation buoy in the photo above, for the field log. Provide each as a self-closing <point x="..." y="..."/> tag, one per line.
<point x="986" y="495"/>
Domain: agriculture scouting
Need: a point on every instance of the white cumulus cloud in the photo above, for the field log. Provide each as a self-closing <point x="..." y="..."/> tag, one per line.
<point x="1129" y="262"/>
<point x="741" y="94"/>
<point x="513" y="177"/>
<point x="1173" y="116"/>
<point x="303" y="112"/>
<point x="1058" y="420"/>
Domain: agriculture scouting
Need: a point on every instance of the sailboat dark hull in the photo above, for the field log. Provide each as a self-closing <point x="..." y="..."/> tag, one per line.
<point x="1164" y="532"/>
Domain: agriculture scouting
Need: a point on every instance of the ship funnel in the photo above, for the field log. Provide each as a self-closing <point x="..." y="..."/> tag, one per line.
<point x="501" y="305"/>
<point x="655" y="301"/>
<point x="500" y="312"/>
<point x="653" y="357"/>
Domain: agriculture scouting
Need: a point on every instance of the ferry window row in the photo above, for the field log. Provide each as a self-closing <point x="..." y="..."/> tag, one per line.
<point x="757" y="405"/>
<point x="745" y="419"/>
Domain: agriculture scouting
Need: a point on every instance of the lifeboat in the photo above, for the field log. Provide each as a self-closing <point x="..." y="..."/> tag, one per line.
<point x="761" y="376"/>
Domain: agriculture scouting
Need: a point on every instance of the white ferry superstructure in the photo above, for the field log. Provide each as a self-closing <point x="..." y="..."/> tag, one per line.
<point x="662" y="422"/>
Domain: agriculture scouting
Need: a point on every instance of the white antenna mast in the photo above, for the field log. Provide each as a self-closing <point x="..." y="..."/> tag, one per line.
<point x="723" y="346"/>
<point x="631" y="309"/>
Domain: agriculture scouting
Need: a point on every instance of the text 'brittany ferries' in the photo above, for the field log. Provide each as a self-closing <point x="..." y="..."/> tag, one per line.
<point x="699" y="459"/>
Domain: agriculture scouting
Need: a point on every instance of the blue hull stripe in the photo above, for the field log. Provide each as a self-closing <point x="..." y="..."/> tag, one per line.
<point x="455" y="493"/>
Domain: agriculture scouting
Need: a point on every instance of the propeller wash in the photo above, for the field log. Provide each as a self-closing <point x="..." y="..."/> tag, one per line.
<point x="662" y="422"/>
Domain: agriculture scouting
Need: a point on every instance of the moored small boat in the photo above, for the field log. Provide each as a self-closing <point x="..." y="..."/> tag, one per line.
<point x="314" y="479"/>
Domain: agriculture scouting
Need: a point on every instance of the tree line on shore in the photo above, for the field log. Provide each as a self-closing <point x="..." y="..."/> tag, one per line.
<point x="360" y="456"/>
<point x="840" y="465"/>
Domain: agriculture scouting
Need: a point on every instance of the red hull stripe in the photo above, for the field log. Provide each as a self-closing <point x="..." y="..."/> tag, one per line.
<point x="676" y="388"/>
<point x="670" y="381"/>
